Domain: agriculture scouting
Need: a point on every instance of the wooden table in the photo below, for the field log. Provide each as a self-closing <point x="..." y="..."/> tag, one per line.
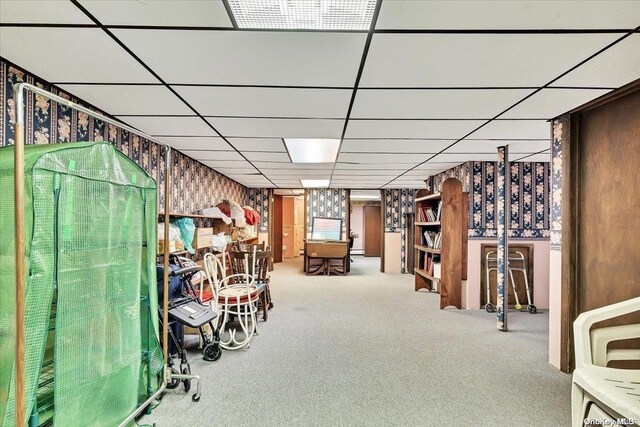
<point x="326" y="251"/>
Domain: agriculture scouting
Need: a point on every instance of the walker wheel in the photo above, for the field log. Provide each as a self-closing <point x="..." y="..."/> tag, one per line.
<point x="186" y="370"/>
<point x="174" y="383"/>
<point x="532" y="309"/>
<point x="518" y="306"/>
<point x="490" y="307"/>
<point x="211" y="352"/>
<point x="195" y="397"/>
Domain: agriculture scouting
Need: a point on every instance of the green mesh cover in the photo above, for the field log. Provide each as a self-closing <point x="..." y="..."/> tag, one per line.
<point x="92" y="349"/>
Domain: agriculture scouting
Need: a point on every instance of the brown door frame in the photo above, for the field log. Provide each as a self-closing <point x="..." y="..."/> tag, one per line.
<point x="277" y="229"/>
<point x="364" y="230"/>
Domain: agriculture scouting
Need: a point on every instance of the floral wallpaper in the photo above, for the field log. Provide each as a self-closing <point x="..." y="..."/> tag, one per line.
<point x="194" y="185"/>
<point x="529" y="182"/>
<point x="398" y="203"/>
<point x="258" y="199"/>
<point x="327" y="203"/>
<point x="556" y="186"/>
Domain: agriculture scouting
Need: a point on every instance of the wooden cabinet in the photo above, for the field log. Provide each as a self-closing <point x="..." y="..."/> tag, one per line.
<point x="440" y="245"/>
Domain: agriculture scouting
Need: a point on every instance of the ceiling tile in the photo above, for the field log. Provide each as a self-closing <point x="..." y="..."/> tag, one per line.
<point x="279" y="128"/>
<point x="393" y="145"/>
<point x="41" y="11"/>
<point x="550" y="103"/>
<point x="295" y="166"/>
<point x="487" y="146"/>
<point x="127" y="99"/>
<point x="285" y="174"/>
<point x="215" y="156"/>
<point x="434" y="104"/>
<point x="230" y="164"/>
<point x="516" y="129"/>
<point x="266" y="102"/>
<point x="410" y="128"/>
<point x="541" y="157"/>
<point x="483" y="15"/>
<point x="365" y="158"/>
<point x="365" y="172"/>
<point x="209" y="13"/>
<point x="614" y="67"/>
<point x="229" y="171"/>
<point x="71" y="55"/>
<point x="170" y="126"/>
<point x="439" y="166"/>
<point x="196" y="142"/>
<point x="465" y="157"/>
<point x="473" y="60"/>
<point x="386" y="166"/>
<point x="267" y="157"/>
<point x="258" y="144"/>
<point x="249" y="57"/>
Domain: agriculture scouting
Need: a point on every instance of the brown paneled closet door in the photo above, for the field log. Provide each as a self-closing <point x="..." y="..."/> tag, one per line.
<point x="277" y="228"/>
<point x="372" y="226"/>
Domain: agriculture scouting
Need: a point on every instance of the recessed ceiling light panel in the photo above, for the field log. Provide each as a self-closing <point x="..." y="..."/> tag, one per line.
<point x="312" y="150"/>
<point x="348" y="15"/>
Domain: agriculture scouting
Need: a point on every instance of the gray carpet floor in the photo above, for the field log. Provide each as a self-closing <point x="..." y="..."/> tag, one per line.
<point x="367" y="350"/>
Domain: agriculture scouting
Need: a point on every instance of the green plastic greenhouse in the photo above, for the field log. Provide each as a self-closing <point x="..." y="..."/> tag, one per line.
<point x="92" y="350"/>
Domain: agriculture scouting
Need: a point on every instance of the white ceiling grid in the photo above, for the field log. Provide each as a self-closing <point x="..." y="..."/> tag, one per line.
<point x="432" y="85"/>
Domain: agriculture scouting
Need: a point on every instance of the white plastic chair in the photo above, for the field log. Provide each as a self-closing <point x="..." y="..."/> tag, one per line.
<point x="615" y="392"/>
<point x="235" y="294"/>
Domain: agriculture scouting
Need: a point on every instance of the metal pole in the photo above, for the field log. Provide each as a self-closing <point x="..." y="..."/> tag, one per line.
<point x="504" y="210"/>
<point x="18" y="212"/>
<point x="165" y="292"/>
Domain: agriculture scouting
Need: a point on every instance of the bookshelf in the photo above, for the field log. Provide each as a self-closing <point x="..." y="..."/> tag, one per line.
<point x="441" y="242"/>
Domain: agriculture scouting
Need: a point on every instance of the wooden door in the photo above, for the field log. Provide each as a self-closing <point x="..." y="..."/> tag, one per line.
<point x="372" y="227"/>
<point x="277" y="228"/>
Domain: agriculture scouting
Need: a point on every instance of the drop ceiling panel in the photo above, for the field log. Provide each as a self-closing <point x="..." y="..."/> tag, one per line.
<point x="400" y="167"/>
<point x="295" y="166"/>
<point x="550" y="103"/>
<point x="266" y="102"/>
<point x="41" y="11"/>
<point x="614" y="67"/>
<point x="393" y="145"/>
<point x="443" y="129"/>
<point x="236" y="164"/>
<point x="463" y="157"/>
<point x="438" y="166"/>
<point x="278" y="128"/>
<point x="410" y="60"/>
<point x="514" y="129"/>
<point x="365" y="172"/>
<point x="170" y="126"/>
<point x="126" y="99"/>
<point x="364" y="158"/>
<point x="196" y="143"/>
<point x="209" y="13"/>
<point x="249" y="57"/>
<point x="258" y="144"/>
<point x="215" y="156"/>
<point x="475" y="146"/>
<point x="542" y="157"/>
<point x="294" y="174"/>
<point x="71" y="55"/>
<point x="507" y="15"/>
<point x="233" y="171"/>
<point x="435" y="104"/>
<point x="267" y="157"/>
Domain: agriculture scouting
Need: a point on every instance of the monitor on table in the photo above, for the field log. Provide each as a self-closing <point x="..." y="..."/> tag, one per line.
<point x="326" y="229"/>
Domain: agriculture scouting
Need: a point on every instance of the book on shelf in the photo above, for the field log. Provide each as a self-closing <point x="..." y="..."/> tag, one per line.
<point x="425" y="214"/>
<point x="432" y="239"/>
<point x="438" y="216"/>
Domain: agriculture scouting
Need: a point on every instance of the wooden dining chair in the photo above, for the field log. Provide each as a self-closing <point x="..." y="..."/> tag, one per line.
<point x="258" y="264"/>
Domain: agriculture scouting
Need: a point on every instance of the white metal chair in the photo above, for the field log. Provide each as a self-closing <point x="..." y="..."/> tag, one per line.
<point x="598" y="389"/>
<point x="235" y="294"/>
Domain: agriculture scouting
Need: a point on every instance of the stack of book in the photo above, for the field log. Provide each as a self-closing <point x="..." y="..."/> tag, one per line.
<point x="427" y="214"/>
<point x="432" y="239"/>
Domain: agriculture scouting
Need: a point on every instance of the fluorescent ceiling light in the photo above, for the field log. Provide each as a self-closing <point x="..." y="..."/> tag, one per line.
<point x="303" y="14"/>
<point x="306" y="150"/>
<point x="315" y="183"/>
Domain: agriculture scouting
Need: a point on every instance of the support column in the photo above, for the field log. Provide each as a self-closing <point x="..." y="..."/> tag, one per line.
<point x="503" y="248"/>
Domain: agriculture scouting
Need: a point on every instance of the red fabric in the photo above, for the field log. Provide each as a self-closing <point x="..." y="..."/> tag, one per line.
<point x="225" y="208"/>
<point x="251" y="217"/>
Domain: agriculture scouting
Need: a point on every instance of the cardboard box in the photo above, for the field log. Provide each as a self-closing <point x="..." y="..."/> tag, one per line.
<point x="172" y="246"/>
<point x="202" y="238"/>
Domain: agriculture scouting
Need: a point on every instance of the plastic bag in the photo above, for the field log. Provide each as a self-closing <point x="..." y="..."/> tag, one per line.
<point x="216" y="213"/>
<point x="187" y="231"/>
<point x="174" y="232"/>
<point x="237" y="214"/>
<point x="219" y="242"/>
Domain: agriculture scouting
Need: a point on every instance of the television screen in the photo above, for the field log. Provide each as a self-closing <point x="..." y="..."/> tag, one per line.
<point x="326" y="229"/>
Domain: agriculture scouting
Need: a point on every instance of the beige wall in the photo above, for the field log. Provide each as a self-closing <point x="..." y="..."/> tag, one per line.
<point x="540" y="272"/>
<point x="555" y="293"/>
<point x="392" y="259"/>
